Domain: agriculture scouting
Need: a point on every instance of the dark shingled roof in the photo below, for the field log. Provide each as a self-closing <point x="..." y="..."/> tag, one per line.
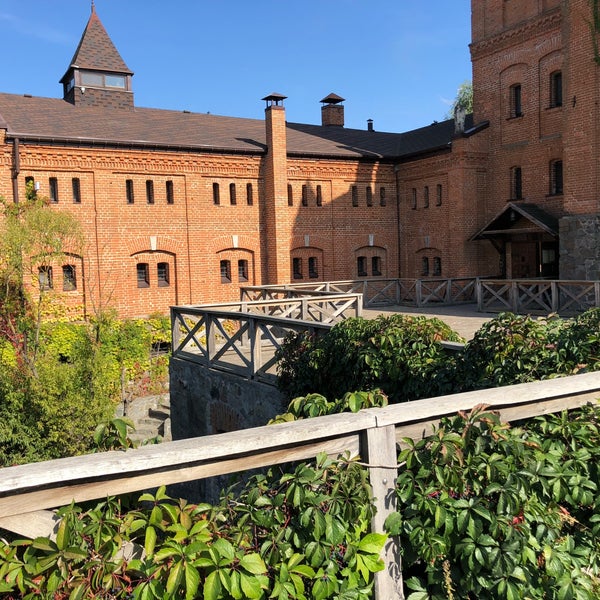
<point x="506" y="222"/>
<point x="58" y="121"/>
<point x="96" y="50"/>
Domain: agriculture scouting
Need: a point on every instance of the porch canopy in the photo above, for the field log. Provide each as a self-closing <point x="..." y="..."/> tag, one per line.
<point x="518" y="218"/>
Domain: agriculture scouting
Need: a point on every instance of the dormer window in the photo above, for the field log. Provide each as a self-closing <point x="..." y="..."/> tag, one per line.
<point x="96" y="79"/>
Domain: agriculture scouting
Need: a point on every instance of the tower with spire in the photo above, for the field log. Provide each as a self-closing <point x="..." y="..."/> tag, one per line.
<point x="97" y="75"/>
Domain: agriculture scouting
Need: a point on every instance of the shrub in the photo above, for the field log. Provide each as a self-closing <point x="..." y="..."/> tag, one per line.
<point x="399" y="354"/>
<point x="301" y="535"/>
<point x="487" y="511"/>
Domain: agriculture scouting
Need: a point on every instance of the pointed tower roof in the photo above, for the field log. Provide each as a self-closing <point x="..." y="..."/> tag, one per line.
<point x="96" y="50"/>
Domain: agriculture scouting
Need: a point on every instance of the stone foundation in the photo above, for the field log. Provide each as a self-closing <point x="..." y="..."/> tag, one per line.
<point x="580" y="247"/>
<point x="206" y="402"/>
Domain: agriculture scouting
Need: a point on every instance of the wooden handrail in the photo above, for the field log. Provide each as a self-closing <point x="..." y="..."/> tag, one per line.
<point x="371" y="433"/>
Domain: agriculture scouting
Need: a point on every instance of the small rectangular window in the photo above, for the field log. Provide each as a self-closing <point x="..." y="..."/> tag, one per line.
<point x="424" y="267"/>
<point x="69" y="278"/>
<point x="361" y="266"/>
<point x="313" y="267"/>
<point x="129" y="191"/>
<point x="297" y="268"/>
<point x="170" y="192"/>
<point x="30" y="188"/>
<point x="45" y="277"/>
<point x="516" y="183"/>
<point x="143" y="275"/>
<point x="354" y="195"/>
<point x="437" y="266"/>
<point x="382" y="198"/>
<point x="304" y="195"/>
<point x="438" y="195"/>
<point x="556" y="98"/>
<point x="232" y="194"/>
<point x="216" y="194"/>
<point x="376" y="265"/>
<point x="150" y="191"/>
<point x="413" y="199"/>
<point x="242" y="270"/>
<point x="249" y="194"/>
<point x="426" y="197"/>
<point x="162" y="273"/>
<point x="556" y="177"/>
<point x="319" y="196"/>
<point x="76" y="188"/>
<point x="225" y="266"/>
<point x="290" y="195"/>
<point x="369" y="195"/>
<point x="516" y="108"/>
<point x="53" y="189"/>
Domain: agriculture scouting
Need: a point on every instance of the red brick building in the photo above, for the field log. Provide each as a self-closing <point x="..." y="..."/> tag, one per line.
<point x="182" y="208"/>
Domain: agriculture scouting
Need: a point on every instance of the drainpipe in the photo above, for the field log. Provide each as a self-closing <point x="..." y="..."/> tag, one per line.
<point x="16" y="170"/>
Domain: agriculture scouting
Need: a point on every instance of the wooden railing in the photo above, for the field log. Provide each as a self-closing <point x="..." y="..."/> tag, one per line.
<point x="538" y="296"/>
<point x="243" y="337"/>
<point x="380" y="292"/>
<point x="28" y="491"/>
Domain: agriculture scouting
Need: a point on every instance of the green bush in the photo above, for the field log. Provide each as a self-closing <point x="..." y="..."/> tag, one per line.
<point x="51" y="410"/>
<point x="487" y="511"/>
<point x="399" y="354"/>
<point x="402" y="355"/>
<point x="300" y="535"/>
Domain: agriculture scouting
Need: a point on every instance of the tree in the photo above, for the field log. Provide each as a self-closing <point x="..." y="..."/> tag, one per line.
<point x="463" y="99"/>
<point x="32" y="238"/>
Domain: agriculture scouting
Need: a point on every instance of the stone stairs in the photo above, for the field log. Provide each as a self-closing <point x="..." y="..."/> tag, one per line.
<point x="151" y="416"/>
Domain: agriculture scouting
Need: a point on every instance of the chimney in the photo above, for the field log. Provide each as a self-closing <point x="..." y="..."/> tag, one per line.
<point x="370" y="125"/>
<point x="275" y="180"/>
<point x="332" y="111"/>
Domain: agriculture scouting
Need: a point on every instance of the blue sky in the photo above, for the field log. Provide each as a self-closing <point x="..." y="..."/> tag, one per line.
<point x="398" y="62"/>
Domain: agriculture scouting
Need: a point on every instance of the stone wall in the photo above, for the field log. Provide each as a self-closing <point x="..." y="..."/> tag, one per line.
<point x="206" y="402"/>
<point x="580" y="247"/>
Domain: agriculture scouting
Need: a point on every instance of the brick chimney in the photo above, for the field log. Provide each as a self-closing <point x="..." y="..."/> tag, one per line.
<point x="276" y="216"/>
<point x="332" y="111"/>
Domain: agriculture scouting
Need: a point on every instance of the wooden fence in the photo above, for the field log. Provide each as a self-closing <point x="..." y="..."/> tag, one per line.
<point x="27" y="492"/>
<point x="380" y="292"/>
<point x="537" y="296"/>
<point x="242" y="337"/>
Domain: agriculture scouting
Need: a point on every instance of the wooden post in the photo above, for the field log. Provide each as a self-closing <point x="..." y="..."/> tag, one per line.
<point x="381" y="455"/>
<point x="555" y="295"/>
<point x="418" y="292"/>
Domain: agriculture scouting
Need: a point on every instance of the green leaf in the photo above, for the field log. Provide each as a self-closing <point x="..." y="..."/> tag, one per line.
<point x="224" y="548"/>
<point x="175" y="578"/>
<point x="192" y="581"/>
<point x="63" y="534"/>
<point x="250" y="586"/>
<point x="372" y="543"/>
<point x="253" y="563"/>
<point x="212" y="586"/>
<point x="150" y="540"/>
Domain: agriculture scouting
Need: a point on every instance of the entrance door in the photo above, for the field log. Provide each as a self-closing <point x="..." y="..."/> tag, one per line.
<point x="524" y="263"/>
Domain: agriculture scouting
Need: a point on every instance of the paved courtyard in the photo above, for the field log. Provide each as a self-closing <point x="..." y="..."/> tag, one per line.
<point x="464" y="318"/>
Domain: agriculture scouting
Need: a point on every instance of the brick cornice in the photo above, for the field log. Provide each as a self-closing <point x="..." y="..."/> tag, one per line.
<point x="517" y="35"/>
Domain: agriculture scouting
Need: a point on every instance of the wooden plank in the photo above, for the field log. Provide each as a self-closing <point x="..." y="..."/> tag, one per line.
<point x="422" y="429"/>
<point x="182" y="471"/>
<point x="381" y="456"/>
<point x="180" y="452"/>
<point x="32" y="524"/>
<point x="510" y="395"/>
